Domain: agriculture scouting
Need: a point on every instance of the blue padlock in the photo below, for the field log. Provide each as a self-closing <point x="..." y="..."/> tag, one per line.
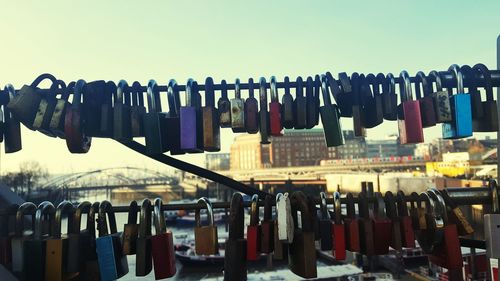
<point x="461" y="125"/>
<point x="190" y="119"/>
<point x="112" y="263"/>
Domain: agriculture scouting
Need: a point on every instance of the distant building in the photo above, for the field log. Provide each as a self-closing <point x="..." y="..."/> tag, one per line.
<point x="353" y="148"/>
<point x="217" y="161"/>
<point x="382" y="148"/>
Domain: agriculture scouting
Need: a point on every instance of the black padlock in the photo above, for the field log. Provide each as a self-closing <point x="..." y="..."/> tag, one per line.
<point x="122" y="126"/>
<point x="345" y="97"/>
<point x="235" y="257"/>
<point x="489" y="121"/>
<point x="389" y="97"/>
<point x="300" y="105"/>
<point x="94" y="99"/>
<point x="325" y="225"/>
<point x="144" y="259"/>
<point x="372" y="102"/>
<point x="310" y="104"/>
<point x="12" y="131"/>
<point x="287" y="117"/>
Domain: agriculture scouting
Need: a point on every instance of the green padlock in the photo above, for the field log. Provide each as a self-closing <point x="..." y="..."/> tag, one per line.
<point x="330" y="117"/>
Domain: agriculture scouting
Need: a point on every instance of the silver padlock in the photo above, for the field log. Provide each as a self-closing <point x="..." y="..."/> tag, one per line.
<point x="492" y="234"/>
<point x="18" y="240"/>
<point x="285" y="219"/>
<point x="237" y="110"/>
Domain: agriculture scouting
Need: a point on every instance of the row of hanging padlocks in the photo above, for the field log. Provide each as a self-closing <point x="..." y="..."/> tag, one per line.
<point x="433" y="220"/>
<point x="104" y="109"/>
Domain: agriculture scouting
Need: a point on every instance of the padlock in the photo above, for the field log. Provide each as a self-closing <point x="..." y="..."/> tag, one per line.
<point x="90" y="270"/>
<point x="338" y="230"/>
<point x="131" y="230"/>
<point x="396" y="241"/>
<point x="95" y="99"/>
<point x="211" y="127"/>
<point x="366" y="229"/>
<point x="17" y="242"/>
<point x="112" y="263"/>
<point x="382" y="226"/>
<point x="137" y="110"/>
<point x="330" y="116"/>
<point x="74" y="124"/>
<point x="144" y="262"/>
<point x="417" y="213"/>
<point x="12" y="128"/>
<point x="24" y="106"/>
<point x="274" y="110"/>
<point x="389" y="97"/>
<point x="489" y="121"/>
<point x="299" y="105"/>
<point x="461" y="124"/>
<point x="162" y="244"/>
<point x="317" y="94"/>
<point x="455" y="215"/>
<point x="310" y="104"/>
<point x="441" y="99"/>
<point x="34" y="249"/>
<point x="302" y="251"/>
<point x="6" y="237"/>
<point x="287" y="114"/>
<point x="237" y="110"/>
<point x="170" y="123"/>
<point x="190" y="120"/>
<point x="432" y="235"/>
<point x="251" y="110"/>
<point x="235" y="257"/>
<point x="447" y="253"/>
<point x="253" y="231"/>
<point x="122" y="125"/>
<point x="263" y="113"/>
<point x="407" y="234"/>
<point x="285" y="220"/>
<point x="78" y="241"/>
<point x="108" y="99"/>
<point x="267" y="227"/>
<point x="224" y="106"/>
<point x="152" y="121"/>
<point x="313" y="210"/>
<point x="325" y="225"/>
<point x="351" y="226"/>
<point x="56" y="253"/>
<point x="2" y="124"/>
<point x="423" y="94"/>
<point x="372" y="102"/>
<point x="409" y="120"/>
<point x="344" y="97"/>
<point x="56" y="123"/>
<point x="280" y="247"/>
<point x="491" y="232"/>
<point x="357" y="110"/>
<point x="475" y="94"/>
<point x="205" y="236"/>
<point x="46" y="108"/>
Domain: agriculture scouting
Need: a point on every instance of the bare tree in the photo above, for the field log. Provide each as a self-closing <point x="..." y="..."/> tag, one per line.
<point x="29" y="175"/>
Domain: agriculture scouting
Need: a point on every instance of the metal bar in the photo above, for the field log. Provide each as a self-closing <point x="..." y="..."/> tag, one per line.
<point x="472" y="243"/>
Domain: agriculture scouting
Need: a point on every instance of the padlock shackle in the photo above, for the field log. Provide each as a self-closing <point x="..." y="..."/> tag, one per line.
<point x="236" y="217"/>
<point x="363" y="206"/>
<point x="159" y="217"/>
<point x="390" y="205"/>
<point x="65" y="207"/>
<point x="432" y="210"/>
<point x="401" y="203"/>
<point x="254" y="210"/>
<point x="109" y="93"/>
<point x="391" y="84"/>
<point x="11" y="90"/>
<point x="299" y="202"/>
<point x="366" y="91"/>
<point x="42" y="77"/>
<point x="190" y="99"/>
<point x="325" y="93"/>
<point x="262" y="94"/>
<point x="137" y="97"/>
<point x="310" y="88"/>
<point x="43" y="210"/>
<point x="317" y="89"/>
<point x="209" y="92"/>
<point x="132" y="212"/>
<point x="299" y="87"/>
<point x="173" y="98"/>
<point x="153" y="97"/>
<point x="382" y="82"/>
<point x="436" y="195"/>
<point x="323" y="207"/>
<point x="421" y="81"/>
<point x="26" y="207"/>
<point x="469" y="72"/>
<point x="337" y="206"/>
<point x="373" y="81"/>
<point x="457" y="74"/>
<point x="379" y="205"/>
<point x="223" y="91"/>
<point x="237" y="88"/>
<point x="78" y="93"/>
<point x="250" y="88"/>
<point x="488" y="84"/>
<point x="356" y="88"/>
<point x="273" y="89"/>
<point x="91" y="218"/>
<point x="122" y="89"/>
<point x="334" y="86"/>
<point x="106" y="210"/>
<point x="286" y="85"/>
<point x="58" y="87"/>
<point x="435" y="78"/>
<point x="210" y="214"/>
<point x="350" y="206"/>
<point x="145" y="220"/>
<point x="83" y="207"/>
<point x="345" y="83"/>
<point x="405" y="88"/>
<point x="268" y="208"/>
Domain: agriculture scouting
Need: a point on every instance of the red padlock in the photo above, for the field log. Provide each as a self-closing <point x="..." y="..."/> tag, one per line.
<point x="382" y="226"/>
<point x="391" y="210"/>
<point x="446" y="254"/>
<point x="275" y="109"/>
<point x="267" y="227"/>
<point x="409" y="119"/>
<point x="253" y="231"/>
<point x="351" y="226"/>
<point x="407" y="234"/>
<point x="162" y="245"/>
<point x="338" y="230"/>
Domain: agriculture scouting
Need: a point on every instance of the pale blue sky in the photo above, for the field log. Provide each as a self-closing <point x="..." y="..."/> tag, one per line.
<point x="140" y="40"/>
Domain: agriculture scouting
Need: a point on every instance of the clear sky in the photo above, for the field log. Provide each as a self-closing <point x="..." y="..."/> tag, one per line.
<point x="140" y="40"/>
